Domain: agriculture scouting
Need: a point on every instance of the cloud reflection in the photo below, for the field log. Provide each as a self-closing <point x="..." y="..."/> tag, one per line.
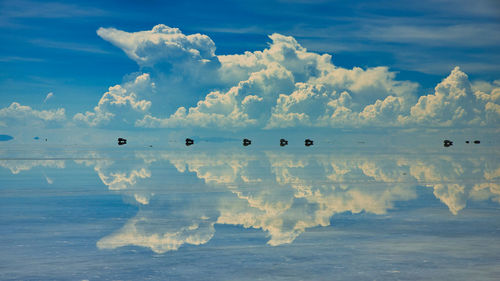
<point x="280" y="193"/>
<point x="17" y="166"/>
<point x="182" y="195"/>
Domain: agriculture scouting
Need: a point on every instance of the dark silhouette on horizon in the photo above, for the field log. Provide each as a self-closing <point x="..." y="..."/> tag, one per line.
<point x="247" y="142"/>
<point x="283" y="142"/>
<point x="308" y="142"/>
<point x="447" y="143"/>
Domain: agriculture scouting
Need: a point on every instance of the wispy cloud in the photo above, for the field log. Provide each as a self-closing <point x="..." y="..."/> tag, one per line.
<point x="49" y="96"/>
<point x="458" y="35"/>
<point x="233" y="30"/>
<point x="72" y="46"/>
<point x="17" y="58"/>
<point x="426" y="62"/>
<point x="424" y="44"/>
<point x="445" y="8"/>
<point x="14" y="13"/>
<point x="32" y="9"/>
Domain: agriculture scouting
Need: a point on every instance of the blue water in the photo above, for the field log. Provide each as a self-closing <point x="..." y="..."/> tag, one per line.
<point x="224" y="212"/>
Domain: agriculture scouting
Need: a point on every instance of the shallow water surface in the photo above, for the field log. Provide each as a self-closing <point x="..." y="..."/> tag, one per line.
<point x="223" y="212"/>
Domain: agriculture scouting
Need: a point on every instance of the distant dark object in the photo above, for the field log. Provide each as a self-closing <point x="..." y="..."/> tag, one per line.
<point x="189" y="141"/>
<point x="6" y="138"/>
<point x="447" y="143"/>
<point x="477" y="142"/>
<point x="45" y="139"/>
<point x="122" y="141"/>
<point x="247" y="142"/>
<point x="36" y="138"/>
<point x="308" y="142"/>
<point x="467" y="141"/>
<point x="283" y="142"/>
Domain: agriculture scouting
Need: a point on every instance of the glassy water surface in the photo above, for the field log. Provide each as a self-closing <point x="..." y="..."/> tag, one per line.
<point x="219" y="212"/>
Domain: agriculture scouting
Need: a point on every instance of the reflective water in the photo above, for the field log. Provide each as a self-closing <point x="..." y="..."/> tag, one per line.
<point x="224" y="212"/>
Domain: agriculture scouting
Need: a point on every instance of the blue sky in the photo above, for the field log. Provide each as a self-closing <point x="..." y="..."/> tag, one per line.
<point x="52" y="47"/>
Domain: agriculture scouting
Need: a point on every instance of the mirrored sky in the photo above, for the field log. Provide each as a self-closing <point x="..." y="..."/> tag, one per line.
<point x="234" y="213"/>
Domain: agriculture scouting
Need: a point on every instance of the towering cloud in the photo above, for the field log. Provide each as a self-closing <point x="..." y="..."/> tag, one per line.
<point x="284" y="85"/>
<point x="454" y="103"/>
<point x="121" y="102"/>
<point x="163" y="46"/>
<point x="183" y="83"/>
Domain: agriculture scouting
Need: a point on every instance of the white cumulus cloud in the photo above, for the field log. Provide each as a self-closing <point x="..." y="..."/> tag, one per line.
<point x="25" y="116"/>
<point x="121" y="102"/>
<point x="284" y="85"/>
<point x="162" y="45"/>
<point x="455" y="103"/>
<point x="183" y="83"/>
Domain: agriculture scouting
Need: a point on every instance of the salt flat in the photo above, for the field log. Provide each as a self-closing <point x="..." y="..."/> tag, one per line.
<point x="228" y="212"/>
